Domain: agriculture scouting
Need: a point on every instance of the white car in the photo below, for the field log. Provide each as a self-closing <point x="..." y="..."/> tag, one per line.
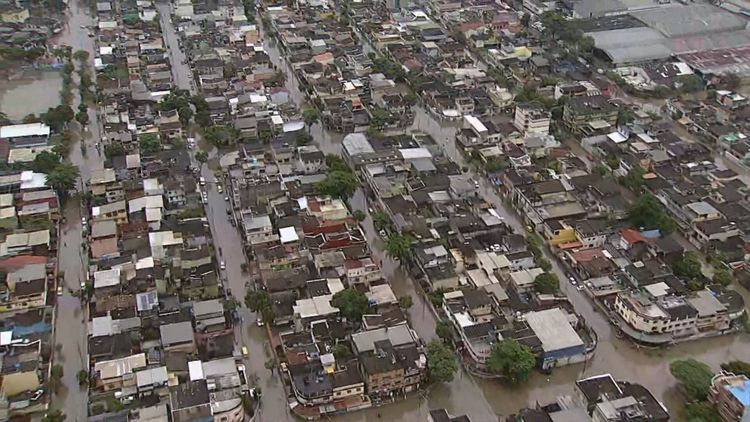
<point x="223" y="265"/>
<point x="84" y="221"/>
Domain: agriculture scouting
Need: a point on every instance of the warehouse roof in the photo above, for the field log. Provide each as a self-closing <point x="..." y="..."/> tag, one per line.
<point x="552" y="328"/>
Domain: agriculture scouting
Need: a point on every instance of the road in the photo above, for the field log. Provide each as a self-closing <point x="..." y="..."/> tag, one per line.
<point x="71" y="319"/>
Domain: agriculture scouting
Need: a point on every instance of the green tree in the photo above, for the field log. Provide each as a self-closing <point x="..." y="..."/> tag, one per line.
<point x="737" y="367"/>
<point x="341" y="351"/>
<point x="444" y="330"/>
<point x="688" y="266"/>
<point x="512" y="360"/>
<point x="694" y="377"/>
<point x="339" y="184"/>
<point x="648" y="213"/>
<point x="381" y="220"/>
<point x="311" y="116"/>
<point x="544" y="264"/>
<point x="405" y="302"/>
<point x="260" y="301"/>
<point x="114" y="150"/>
<point x="352" y="304"/>
<point x="546" y="283"/>
<point x="185" y="113"/>
<point x="398" y="247"/>
<point x="691" y="83"/>
<point x="54" y="416"/>
<point x="701" y="411"/>
<point x="359" y="215"/>
<point x="221" y="135"/>
<point x="83" y="377"/>
<point x="45" y="162"/>
<point x="57" y="117"/>
<point x="441" y="362"/>
<point x="201" y="156"/>
<point x="302" y="139"/>
<point x="336" y="163"/>
<point x="149" y="143"/>
<point x="381" y="118"/>
<point x="63" y="178"/>
<point x="634" y="179"/>
<point x="723" y="276"/>
<point x="81" y="55"/>
<point x="82" y="117"/>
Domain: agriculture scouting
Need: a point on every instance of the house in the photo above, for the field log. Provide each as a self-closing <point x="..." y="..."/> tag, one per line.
<point x="190" y="402"/>
<point x="530" y="119"/>
<point x="561" y="344"/>
<point x="607" y="399"/>
<point x="590" y="115"/>
<point x="729" y="394"/>
<point x="178" y="337"/>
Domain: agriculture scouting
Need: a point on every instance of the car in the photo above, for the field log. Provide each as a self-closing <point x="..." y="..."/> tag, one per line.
<point x="226" y="198"/>
<point x="219" y="188"/>
<point x="59" y="290"/>
<point x="245" y="352"/>
<point x="223" y="265"/>
<point x="259" y="321"/>
<point x="84" y="221"/>
<point x="202" y="181"/>
<point x="37" y="395"/>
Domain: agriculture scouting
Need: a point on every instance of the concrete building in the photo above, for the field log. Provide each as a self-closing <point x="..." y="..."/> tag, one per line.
<point x="531" y="119"/>
<point x="561" y="344"/>
<point x="731" y="395"/>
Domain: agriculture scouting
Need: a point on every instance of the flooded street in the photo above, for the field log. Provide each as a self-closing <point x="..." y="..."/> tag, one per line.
<point x="70" y="322"/>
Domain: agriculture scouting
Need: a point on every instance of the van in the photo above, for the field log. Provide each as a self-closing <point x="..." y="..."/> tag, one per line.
<point x="245" y="352"/>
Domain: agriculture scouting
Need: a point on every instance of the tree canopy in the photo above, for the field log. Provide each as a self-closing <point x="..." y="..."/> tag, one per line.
<point x="441" y="362"/>
<point x="339" y="184"/>
<point x="336" y="163"/>
<point x="57" y="117"/>
<point x="398" y="246"/>
<point x="310" y="115"/>
<point x="149" y="143"/>
<point x="694" y="377"/>
<point x="63" y="178"/>
<point x="723" y="276"/>
<point x="688" y="266"/>
<point x="737" y="367"/>
<point x="512" y="360"/>
<point x="114" y="150"/>
<point x="702" y="411"/>
<point x="546" y="283"/>
<point x="260" y="301"/>
<point x="648" y="213"/>
<point x="45" y="162"/>
<point x="444" y="330"/>
<point x="351" y="303"/>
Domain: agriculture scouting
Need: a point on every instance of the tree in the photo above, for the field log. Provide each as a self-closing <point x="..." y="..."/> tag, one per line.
<point x="63" y="178"/>
<point x="723" y="276"/>
<point x="648" y="213"/>
<point x="381" y="118"/>
<point x="81" y="55"/>
<point x="398" y="247"/>
<point x="311" y="116"/>
<point x="83" y="377"/>
<point x="114" y="150"/>
<point x="512" y="360"/>
<point x="634" y="179"/>
<point x="688" y="266"/>
<point x="45" y="162"/>
<point x="340" y="351"/>
<point x="624" y="116"/>
<point x="381" y="220"/>
<point x="221" y="135"/>
<point x="599" y="170"/>
<point x="259" y="301"/>
<point x="441" y="362"/>
<point x="352" y="304"/>
<point x="57" y="117"/>
<point x="185" y="113"/>
<point x="405" y="302"/>
<point x="336" y="163"/>
<point x="544" y="264"/>
<point x="691" y="83"/>
<point x="82" y="117"/>
<point x="444" y="330"/>
<point x="546" y="283"/>
<point x="54" y="416"/>
<point x="359" y="215"/>
<point x="737" y="367"/>
<point x="525" y="20"/>
<point x="201" y="156"/>
<point x="702" y="411"/>
<point x="149" y="143"/>
<point x="694" y="377"/>
<point x="302" y="139"/>
<point x="339" y="184"/>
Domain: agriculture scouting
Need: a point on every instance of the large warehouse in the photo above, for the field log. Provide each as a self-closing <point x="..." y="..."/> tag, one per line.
<point x="661" y="31"/>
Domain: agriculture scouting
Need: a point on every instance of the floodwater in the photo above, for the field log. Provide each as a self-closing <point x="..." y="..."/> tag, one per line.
<point x="33" y="93"/>
<point x="486" y="400"/>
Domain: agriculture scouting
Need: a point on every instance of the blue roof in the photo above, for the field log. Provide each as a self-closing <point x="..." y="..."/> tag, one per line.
<point x="742" y="394"/>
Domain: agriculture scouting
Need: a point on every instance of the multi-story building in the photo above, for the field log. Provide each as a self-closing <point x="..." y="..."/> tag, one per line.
<point x="530" y="119"/>
<point x="731" y="395"/>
